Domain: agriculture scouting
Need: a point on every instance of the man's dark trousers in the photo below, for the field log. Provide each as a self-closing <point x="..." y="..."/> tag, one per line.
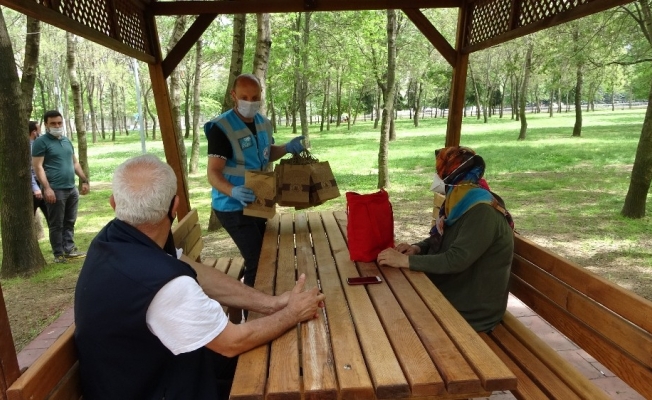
<point x="61" y="216"/>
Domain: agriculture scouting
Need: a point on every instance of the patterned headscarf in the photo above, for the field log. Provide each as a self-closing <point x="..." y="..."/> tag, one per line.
<point x="462" y="170"/>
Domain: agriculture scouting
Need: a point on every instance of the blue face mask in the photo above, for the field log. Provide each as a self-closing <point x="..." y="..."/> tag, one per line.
<point x="248" y="109"/>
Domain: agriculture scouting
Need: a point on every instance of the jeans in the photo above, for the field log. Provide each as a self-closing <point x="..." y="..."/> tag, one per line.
<point x="247" y="233"/>
<point x="61" y="217"/>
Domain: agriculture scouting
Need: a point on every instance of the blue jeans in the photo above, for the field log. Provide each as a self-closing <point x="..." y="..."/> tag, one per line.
<point x="61" y="216"/>
<point x="247" y="233"/>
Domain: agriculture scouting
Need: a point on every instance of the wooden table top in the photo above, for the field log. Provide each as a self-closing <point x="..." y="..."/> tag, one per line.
<point x="397" y="339"/>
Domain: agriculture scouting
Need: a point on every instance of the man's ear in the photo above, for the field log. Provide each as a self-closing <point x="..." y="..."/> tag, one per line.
<point x="112" y="202"/>
<point x="175" y="205"/>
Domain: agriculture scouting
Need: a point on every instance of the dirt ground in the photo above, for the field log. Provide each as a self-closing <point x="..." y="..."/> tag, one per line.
<point x="32" y="306"/>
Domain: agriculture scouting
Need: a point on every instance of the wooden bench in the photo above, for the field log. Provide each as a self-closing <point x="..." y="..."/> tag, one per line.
<point x="55" y="374"/>
<point x="610" y="323"/>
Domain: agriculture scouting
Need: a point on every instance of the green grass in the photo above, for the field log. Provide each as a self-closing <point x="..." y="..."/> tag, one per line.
<point x="554" y="185"/>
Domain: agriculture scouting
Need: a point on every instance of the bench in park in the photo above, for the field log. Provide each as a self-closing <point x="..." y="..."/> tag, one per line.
<point x="610" y="323"/>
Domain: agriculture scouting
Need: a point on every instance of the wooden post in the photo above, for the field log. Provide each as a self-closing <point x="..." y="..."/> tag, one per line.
<point x="166" y="123"/>
<point x="9" y="371"/>
<point x="458" y="84"/>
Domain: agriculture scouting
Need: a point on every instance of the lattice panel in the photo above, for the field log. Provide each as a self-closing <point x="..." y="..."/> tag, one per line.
<point x="96" y="14"/>
<point x="491" y="18"/>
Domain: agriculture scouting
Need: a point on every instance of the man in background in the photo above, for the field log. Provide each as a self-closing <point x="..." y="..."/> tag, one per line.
<point x="39" y="202"/>
<point x="55" y="166"/>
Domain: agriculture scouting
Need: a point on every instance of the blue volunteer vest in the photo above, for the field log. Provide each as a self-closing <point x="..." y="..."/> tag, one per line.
<point x="119" y="358"/>
<point x="248" y="153"/>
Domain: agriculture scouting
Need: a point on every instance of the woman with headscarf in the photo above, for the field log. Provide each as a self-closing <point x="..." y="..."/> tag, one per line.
<point x="468" y="255"/>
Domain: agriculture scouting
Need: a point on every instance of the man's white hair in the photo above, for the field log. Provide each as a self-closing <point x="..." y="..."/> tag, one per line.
<point x="143" y="189"/>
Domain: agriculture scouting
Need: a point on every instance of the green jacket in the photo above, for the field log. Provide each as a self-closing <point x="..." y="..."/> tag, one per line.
<point x="472" y="266"/>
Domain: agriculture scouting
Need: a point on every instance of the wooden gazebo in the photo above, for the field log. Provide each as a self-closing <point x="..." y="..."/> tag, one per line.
<point x="129" y="27"/>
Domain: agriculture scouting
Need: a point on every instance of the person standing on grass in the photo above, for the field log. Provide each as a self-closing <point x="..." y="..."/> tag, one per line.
<point x="147" y="324"/>
<point x="238" y="140"/>
<point x="55" y="166"/>
<point x="468" y="255"/>
<point x="39" y="202"/>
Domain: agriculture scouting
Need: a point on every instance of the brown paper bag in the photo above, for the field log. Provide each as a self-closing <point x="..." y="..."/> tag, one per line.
<point x="264" y="186"/>
<point x="294" y="185"/>
<point x="322" y="183"/>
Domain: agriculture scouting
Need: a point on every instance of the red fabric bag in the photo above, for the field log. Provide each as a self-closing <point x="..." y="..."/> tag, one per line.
<point x="370" y="227"/>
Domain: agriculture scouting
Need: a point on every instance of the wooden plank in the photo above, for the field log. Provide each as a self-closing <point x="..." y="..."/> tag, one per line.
<point x="319" y="380"/>
<point x="635" y="374"/>
<point x="546" y="379"/>
<point x="493" y="374"/>
<point x="235" y="268"/>
<point x="46" y="372"/>
<point x="619" y="300"/>
<point x="455" y="370"/>
<point x="251" y="372"/>
<point x="418" y="367"/>
<point x="195" y="251"/>
<point x="382" y="364"/>
<point x="573" y="378"/>
<point x="458" y="81"/>
<point x="191" y="239"/>
<point x="525" y="387"/>
<point x="288" y="6"/>
<point x="168" y="128"/>
<point x="9" y="370"/>
<point x="350" y="367"/>
<point x="210" y="262"/>
<point x="69" y="388"/>
<point x="432" y="34"/>
<point x="223" y="264"/>
<point x="283" y="381"/>
<point x="181" y="229"/>
<point x="627" y="336"/>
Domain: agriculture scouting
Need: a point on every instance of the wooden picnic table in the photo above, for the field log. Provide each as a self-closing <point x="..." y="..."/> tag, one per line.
<point x="397" y="339"/>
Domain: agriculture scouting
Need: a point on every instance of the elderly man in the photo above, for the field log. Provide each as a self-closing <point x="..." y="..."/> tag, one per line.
<point x="55" y="166"/>
<point x="148" y="325"/>
<point x="239" y="140"/>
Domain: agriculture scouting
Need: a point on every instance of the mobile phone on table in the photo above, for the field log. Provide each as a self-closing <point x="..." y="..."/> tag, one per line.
<point x="363" y="280"/>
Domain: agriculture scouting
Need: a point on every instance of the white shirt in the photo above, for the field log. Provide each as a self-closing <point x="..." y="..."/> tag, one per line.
<point x="183" y="317"/>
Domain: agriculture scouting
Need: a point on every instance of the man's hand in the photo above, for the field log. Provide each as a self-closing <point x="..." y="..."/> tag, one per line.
<point x="38" y="194"/>
<point x="305" y="304"/>
<point x="393" y="258"/>
<point x="85" y="188"/>
<point x="295" y="146"/>
<point x="243" y="194"/>
<point x="50" y="196"/>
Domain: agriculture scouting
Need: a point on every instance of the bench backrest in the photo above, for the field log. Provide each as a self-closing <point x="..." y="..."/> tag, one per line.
<point x="610" y="323"/>
<point x="187" y="235"/>
<point x="53" y="376"/>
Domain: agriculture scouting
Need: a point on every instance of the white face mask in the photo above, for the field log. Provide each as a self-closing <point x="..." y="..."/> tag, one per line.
<point x="438" y="185"/>
<point x="248" y="108"/>
<point x="56" y="132"/>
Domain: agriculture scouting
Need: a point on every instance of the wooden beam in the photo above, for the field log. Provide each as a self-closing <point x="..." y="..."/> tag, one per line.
<point x="432" y="34"/>
<point x="9" y="371"/>
<point x="170" y="144"/>
<point x="42" y="13"/>
<point x="188" y="40"/>
<point x="458" y="85"/>
<point x="283" y="6"/>
<point x="579" y="11"/>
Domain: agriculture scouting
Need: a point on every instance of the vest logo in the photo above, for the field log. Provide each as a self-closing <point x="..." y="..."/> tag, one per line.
<point x="246" y="142"/>
<point x="266" y="153"/>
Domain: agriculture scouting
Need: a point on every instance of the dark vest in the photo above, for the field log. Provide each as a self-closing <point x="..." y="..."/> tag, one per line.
<point x="119" y="358"/>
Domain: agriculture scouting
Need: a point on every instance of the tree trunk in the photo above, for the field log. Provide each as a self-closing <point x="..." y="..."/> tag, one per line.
<point x="196" y="110"/>
<point x="550" y="101"/>
<point x="272" y="109"/>
<point x="302" y="90"/>
<point x="389" y="92"/>
<point x="475" y="90"/>
<point x="77" y="100"/>
<point x="30" y="63"/>
<point x="417" y="103"/>
<point x="237" y="56"/>
<point x="123" y="110"/>
<point x="175" y="94"/>
<point x="639" y="184"/>
<point x="377" y="119"/>
<point x="188" y="107"/>
<point x="113" y="117"/>
<point x="91" y="105"/>
<point x="324" y="104"/>
<point x="261" y="57"/>
<point x="21" y="254"/>
<point x="577" y="129"/>
<point x="150" y="112"/>
<point x="338" y="98"/>
<point x="100" y="98"/>
<point x="526" y="77"/>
